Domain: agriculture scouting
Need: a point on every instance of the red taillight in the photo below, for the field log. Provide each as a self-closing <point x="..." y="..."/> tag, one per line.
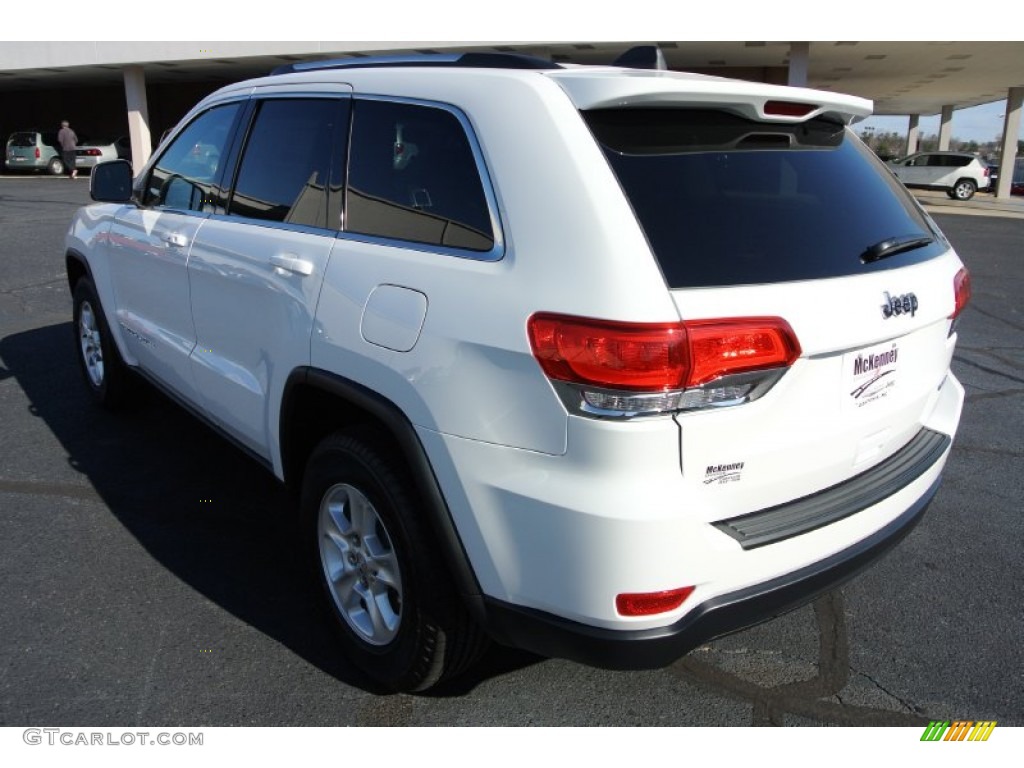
<point x="655" y="357"/>
<point x="720" y="347"/>
<point x="647" y="603"/>
<point x="632" y="356"/>
<point x="38" y="153"/>
<point x="788" y="108"/>
<point x="92" y="152"/>
<point x="961" y="291"/>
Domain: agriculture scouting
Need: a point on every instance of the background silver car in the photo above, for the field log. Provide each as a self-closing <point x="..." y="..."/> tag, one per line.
<point x="33" y="151"/>
<point x="89" y="153"/>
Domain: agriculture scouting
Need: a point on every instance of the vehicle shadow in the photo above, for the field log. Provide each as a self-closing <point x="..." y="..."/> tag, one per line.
<point x="200" y="507"/>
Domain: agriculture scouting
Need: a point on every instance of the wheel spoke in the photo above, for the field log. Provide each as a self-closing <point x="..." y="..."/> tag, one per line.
<point x="363" y="517"/>
<point x="354" y="599"/>
<point x="338" y="511"/>
<point x="340" y="543"/>
<point x="376" y="549"/>
<point x="345" y="586"/>
<point x="382" y="617"/>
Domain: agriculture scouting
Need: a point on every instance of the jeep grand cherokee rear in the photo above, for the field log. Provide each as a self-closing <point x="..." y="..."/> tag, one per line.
<point x="599" y="362"/>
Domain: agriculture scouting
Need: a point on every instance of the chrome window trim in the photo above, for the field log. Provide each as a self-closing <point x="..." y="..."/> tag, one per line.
<point x="287" y="226"/>
<point x="497" y="251"/>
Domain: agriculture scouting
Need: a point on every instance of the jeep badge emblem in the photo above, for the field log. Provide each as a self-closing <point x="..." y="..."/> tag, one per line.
<point x="899" y="305"/>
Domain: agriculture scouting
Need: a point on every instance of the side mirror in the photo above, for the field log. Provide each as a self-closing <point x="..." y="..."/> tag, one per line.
<point x="111" y="182"/>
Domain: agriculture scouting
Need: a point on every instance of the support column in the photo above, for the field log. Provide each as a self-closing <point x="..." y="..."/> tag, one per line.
<point x="799" y="58"/>
<point x="946" y="127"/>
<point x="138" y="116"/>
<point x="1011" y="130"/>
<point x="912" y="135"/>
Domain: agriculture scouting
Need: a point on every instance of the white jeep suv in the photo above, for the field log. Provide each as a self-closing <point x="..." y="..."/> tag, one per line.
<point x="960" y="174"/>
<point x="596" y="362"/>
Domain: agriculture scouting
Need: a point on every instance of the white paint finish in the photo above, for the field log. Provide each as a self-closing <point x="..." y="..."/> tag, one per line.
<point x="471" y="373"/>
<point x="89" y="234"/>
<point x="566" y="534"/>
<point x="912" y="173"/>
<point x="596" y="88"/>
<point x="253" y="320"/>
<point x="393" y="317"/>
<point x="148" y="253"/>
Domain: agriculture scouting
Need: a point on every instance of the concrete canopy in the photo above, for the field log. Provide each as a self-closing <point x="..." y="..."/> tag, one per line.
<point x="900" y="77"/>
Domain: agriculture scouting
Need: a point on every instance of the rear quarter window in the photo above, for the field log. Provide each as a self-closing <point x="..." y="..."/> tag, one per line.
<point x="728" y="201"/>
<point x="413" y="176"/>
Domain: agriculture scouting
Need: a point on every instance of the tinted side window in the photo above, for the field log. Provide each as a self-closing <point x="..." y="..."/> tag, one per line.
<point x="286" y="162"/>
<point x="413" y="176"/>
<point x="185" y="173"/>
<point x="958" y="161"/>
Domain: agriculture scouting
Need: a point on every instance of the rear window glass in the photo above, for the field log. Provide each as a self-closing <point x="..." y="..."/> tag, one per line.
<point x="728" y="201"/>
<point x="23" y="140"/>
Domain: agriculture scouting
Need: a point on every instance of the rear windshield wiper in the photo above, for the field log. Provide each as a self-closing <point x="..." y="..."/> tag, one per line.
<point x="893" y="245"/>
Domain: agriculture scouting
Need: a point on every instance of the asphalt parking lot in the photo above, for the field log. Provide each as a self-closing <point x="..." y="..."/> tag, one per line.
<point x="148" y="574"/>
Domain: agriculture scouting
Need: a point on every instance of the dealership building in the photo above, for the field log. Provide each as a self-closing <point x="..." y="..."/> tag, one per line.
<point x="140" y="89"/>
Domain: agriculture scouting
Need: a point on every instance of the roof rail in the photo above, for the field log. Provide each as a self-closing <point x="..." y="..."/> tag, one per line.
<point x="482" y="60"/>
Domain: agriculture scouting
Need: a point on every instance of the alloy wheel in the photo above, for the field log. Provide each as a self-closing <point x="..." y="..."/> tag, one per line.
<point x="359" y="564"/>
<point x="91" y="344"/>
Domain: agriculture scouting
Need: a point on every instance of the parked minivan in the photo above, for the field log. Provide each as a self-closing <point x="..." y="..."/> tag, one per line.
<point x="33" y="151"/>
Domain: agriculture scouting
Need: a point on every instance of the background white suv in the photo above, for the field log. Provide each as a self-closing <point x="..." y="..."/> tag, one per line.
<point x="961" y="174"/>
<point x="596" y="362"/>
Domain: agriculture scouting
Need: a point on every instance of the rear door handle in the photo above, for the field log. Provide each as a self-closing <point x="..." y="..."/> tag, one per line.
<point x="292" y="263"/>
<point x="176" y="239"/>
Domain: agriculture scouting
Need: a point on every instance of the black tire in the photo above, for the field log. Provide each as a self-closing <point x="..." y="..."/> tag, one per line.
<point x="415" y="632"/>
<point x="55" y="167"/>
<point x="105" y="374"/>
<point x="964" y="189"/>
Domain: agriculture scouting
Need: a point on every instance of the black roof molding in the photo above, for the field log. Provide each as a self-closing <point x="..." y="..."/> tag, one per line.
<point x="479" y="60"/>
<point x="642" y="57"/>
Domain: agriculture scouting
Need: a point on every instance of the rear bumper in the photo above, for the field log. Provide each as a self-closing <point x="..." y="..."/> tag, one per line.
<point x="27" y="165"/>
<point x="549" y="635"/>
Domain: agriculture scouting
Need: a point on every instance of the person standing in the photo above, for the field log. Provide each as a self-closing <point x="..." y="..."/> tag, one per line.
<point x="68" y="142"/>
